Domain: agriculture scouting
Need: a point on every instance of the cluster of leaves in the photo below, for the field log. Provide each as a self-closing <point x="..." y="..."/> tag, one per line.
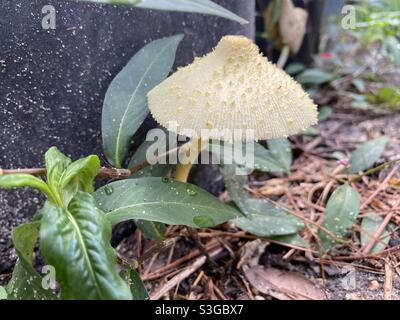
<point x="380" y="22"/>
<point x="359" y="63"/>
<point x="274" y="222"/>
<point x="74" y="226"/>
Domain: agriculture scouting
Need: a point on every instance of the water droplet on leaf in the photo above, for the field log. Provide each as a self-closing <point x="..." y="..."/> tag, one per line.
<point x="165" y="179"/>
<point x="191" y="191"/>
<point x="109" y="190"/>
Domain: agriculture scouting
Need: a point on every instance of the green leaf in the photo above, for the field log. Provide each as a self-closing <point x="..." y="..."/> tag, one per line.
<point x="81" y="173"/>
<point x="156" y="170"/>
<point x="293" y="239"/>
<point x="3" y="293"/>
<point x="387" y="95"/>
<point x="163" y="200"/>
<point x="136" y="285"/>
<point x="65" y="177"/>
<point x="152" y="230"/>
<point x="79" y="176"/>
<point x="261" y="217"/>
<point x="125" y="104"/>
<point x="276" y="160"/>
<point x="367" y="154"/>
<point x="266" y="220"/>
<point x="315" y="76"/>
<point x="281" y="151"/>
<point x="76" y="241"/>
<point x="295" y="68"/>
<point x="359" y="84"/>
<point x="26" y="283"/>
<point x="20" y="180"/>
<point x="324" y="113"/>
<point x="312" y="131"/>
<point x="235" y="185"/>
<point x="340" y="214"/>
<point x="195" y="6"/>
<point x="56" y="164"/>
<point x="265" y="161"/>
<point x="369" y="225"/>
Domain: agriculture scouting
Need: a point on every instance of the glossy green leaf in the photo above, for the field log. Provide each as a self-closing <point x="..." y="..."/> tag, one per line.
<point x="340" y="215"/>
<point x="3" y="293"/>
<point x="20" y="180"/>
<point x="79" y="176"/>
<point x="315" y="77"/>
<point x="261" y="217"/>
<point x="26" y="283"/>
<point x="56" y="164"/>
<point x="369" y="226"/>
<point x="81" y="173"/>
<point x="163" y="200"/>
<point x="266" y="220"/>
<point x="367" y="154"/>
<point x="235" y="185"/>
<point x="195" y="6"/>
<point x="139" y="157"/>
<point x="76" y="241"/>
<point x="152" y="230"/>
<point x="65" y="177"/>
<point x="136" y="285"/>
<point x="125" y="104"/>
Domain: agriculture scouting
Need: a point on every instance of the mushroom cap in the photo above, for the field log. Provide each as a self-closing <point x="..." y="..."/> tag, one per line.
<point x="292" y="25"/>
<point x="233" y="87"/>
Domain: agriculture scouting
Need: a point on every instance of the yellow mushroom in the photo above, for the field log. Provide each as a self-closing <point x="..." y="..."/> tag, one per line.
<point x="292" y="25"/>
<point x="234" y="87"/>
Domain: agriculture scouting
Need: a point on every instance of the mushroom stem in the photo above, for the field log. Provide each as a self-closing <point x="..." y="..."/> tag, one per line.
<point x="283" y="58"/>
<point x="192" y="151"/>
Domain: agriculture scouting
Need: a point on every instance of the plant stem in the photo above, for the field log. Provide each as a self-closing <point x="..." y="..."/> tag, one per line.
<point x="374" y="170"/>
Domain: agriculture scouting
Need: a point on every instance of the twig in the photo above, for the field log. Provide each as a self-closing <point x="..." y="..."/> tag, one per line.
<point x="388" y="287"/>
<point x="113" y="173"/>
<point x="195" y="236"/>
<point x="173" y="265"/>
<point x="160" y="292"/>
<point x="377" y="234"/>
<point x="380" y="187"/>
<point x="156" y="249"/>
<point x="373" y="170"/>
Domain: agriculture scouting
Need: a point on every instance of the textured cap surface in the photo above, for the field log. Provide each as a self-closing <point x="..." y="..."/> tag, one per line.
<point x="233" y="87"/>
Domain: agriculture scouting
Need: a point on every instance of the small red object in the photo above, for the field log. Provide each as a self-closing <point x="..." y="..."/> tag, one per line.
<point x="325" y="55"/>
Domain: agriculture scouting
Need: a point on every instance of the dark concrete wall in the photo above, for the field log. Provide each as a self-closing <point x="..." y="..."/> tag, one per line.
<point x="52" y="83"/>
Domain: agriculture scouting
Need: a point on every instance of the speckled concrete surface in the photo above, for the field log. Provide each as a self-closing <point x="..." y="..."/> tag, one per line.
<point x="52" y="83"/>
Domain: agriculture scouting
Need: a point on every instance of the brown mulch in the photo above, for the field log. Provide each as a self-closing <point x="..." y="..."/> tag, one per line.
<point x="181" y="271"/>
